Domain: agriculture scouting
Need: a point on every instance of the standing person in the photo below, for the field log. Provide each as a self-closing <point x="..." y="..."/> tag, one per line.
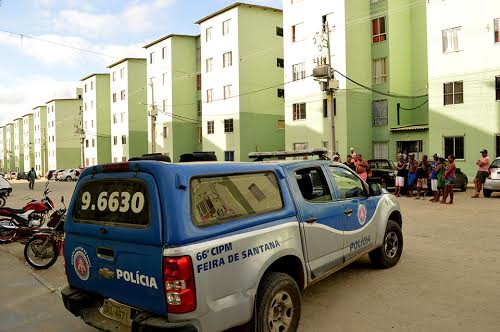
<point x="422" y="176"/>
<point x="362" y="167"/>
<point x="449" y="177"/>
<point x="412" y="173"/>
<point x="440" y="168"/>
<point x="434" y="180"/>
<point x="350" y="163"/>
<point x="400" y="175"/>
<point x="483" y="165"/>
<point x="31" y="178"/>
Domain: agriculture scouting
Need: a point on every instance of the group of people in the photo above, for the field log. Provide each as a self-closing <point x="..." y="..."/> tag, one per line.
<point x="441" y="174"/>
<point x="355" y="162"/>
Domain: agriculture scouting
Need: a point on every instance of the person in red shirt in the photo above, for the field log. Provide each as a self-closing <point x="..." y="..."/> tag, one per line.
<point x="483" y="165"/>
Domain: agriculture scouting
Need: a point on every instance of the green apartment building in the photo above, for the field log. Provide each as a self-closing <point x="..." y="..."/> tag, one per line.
<point x="9" y="147"/>
<point x="40" y="137"/>
<point x="2" y="150"/>
<point x="28" y="142"/>
<point x="379" y="52"/>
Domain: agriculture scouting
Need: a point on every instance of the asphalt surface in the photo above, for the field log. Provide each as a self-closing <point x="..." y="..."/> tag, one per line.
<point x="446" y="280"/>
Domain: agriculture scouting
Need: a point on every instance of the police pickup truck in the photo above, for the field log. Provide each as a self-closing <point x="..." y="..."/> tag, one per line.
<point x="157" y="246"/>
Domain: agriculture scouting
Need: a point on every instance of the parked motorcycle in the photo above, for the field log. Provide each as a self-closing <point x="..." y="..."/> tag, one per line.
<point x="22" y="223"/>
<point x="42" y="250"/>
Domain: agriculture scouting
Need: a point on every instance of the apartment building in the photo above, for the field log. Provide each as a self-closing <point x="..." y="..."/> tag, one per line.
<point x="380" y="45"/>
<point x="464" y="79"/>
<point x="2" y="150"/>
<point x="18" y="145"/>
<point x="129" y="129"/>
<point x="96" y="119"/>
<point x="63" y="146"/>
<point x="9" y="147"/>
<point x="174" y="80"/>
<point x="28" y="142"/>
<point x="241" y="78"/>
<point x="40" y="139"/>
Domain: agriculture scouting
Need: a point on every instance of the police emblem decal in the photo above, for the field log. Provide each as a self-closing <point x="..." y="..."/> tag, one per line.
<point x="81" y="263"/>
<point x="361" y="214"/>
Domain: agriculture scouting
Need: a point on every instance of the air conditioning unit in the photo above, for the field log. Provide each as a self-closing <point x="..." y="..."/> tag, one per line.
<point x="324" y="71"/>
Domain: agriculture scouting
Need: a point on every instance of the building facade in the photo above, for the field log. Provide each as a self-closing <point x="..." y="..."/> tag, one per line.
<point x="173" y="79"/>
<point x="18" y="145"/>
<point x="9" y="147"/>
<point x="96" y="119"/>
<point x="40" y="139"/>
<point x="464" y="79"/>
<point x="378" y="52"/>
<point x="63" y="146"/>
<point x="129" y="130"/>
<point x="2" y="150"/>
<point x="241" y="81"/>
<point x="28" y="142"/>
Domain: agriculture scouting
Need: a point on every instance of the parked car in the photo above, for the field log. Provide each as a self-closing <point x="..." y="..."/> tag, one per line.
<point x="5" y="185"/>
<point x="22" y="176"/>
<point x="68" y="175"/>
<point x="49" y="174"/>
<point x="492" y="183"/>
<point x="462" y="180"/>
<point x="11" y="176"/>
<point x="383" y="172"/>
<point x="248" y="238"/>
<point x="55" y="173"/>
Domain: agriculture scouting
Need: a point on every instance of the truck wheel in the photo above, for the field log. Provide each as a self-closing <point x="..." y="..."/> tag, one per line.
<point x="278" y="303"/>
<point x="487" y="193"/>
<point x="389" y="254"/>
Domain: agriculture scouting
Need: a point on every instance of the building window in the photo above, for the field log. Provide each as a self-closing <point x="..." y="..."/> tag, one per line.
<point x="209" y="62"/>
<point x="151" y="57"/>
<point x="91" y="123"/>
<point x="379" y="113"/>
<point x="122" y="72"/>
<point x="228" y="125"/>
<point x="227" y="91"/>
<point x="325" y="108"/>
<point x="92" y="105"/>
<point x="299" y="71"/>
<point x="122" y="95"/>
<point x="198" y="82"/>
<point x="299" y="146"/>
<point x="453" y="93"/>
<point x="164" y="77"/>
<point x="124" y="139"/>
<point x="279" y="31"/>
<point x="379" y="68"/>
<point x="85" y="88"/>
<point x="227" y="59"/>
<point x="85" y="107"/>
<point x="225" y="27"/>
<point x="496" y="34"/>
<point x="86" y="143"/>
<point x="114" y="97"/>
<point x="165" y="132"/>
<point x="198" y="55"/>
<point x="115" y="140"/>
<point x="114" y="76"/>
<point x="297" y="32"/>
<point x="122" y="117"/>
<point x="210" y="127"/>
<point x="198" y="107"/>
<point x="280" y="124"/>
<point x="280" y="63"/>
<point x="454" y="146"/>
<point x="164" y="52"/>
<point x="378" y="30"/>
<point x="164" y="104"/>
<point x="281" y="93"/>
<point x="497" y="88"/>
<point x="299" y="111"/>
<point x="380" y="150"/>
<point x="228" y="155"/>
<point x="450" y="39"/>
<point x="208" y="34"/>
<point x="93" y="142"/>
<point x="210" y="95"/>
<point x="200" y="135"/>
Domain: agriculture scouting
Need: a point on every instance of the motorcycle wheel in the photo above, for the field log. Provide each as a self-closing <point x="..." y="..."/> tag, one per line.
<point x="7" y="235"/>
<point x="40" y="258"/>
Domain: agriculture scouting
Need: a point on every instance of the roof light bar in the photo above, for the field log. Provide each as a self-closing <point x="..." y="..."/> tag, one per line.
<point x="260" y="156"/>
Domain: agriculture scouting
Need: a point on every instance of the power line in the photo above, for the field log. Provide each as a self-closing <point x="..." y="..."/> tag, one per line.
<point x="414" y="108"/>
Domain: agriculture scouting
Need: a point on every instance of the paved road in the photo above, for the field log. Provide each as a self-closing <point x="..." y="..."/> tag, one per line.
<point x="447" y="280"/>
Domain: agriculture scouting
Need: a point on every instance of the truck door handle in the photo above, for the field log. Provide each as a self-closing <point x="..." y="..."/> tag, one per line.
<point x="105" y="253"/>
<point x="311" y="220"/>
<point x="348" y="212"/>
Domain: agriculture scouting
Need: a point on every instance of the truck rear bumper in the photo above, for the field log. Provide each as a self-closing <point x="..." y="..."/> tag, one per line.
<point x="85" y="305"/>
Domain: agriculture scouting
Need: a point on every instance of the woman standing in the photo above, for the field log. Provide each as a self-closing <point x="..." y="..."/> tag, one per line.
<point x="440" y="168"/>
<point x="400" y="175"/>
<point x="449" y="179"/>
<point x="362" y="167"/>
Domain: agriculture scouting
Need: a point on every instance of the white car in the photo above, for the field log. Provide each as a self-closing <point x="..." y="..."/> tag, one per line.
<point x="68" y="175"/>
<point x="492" y="183"/>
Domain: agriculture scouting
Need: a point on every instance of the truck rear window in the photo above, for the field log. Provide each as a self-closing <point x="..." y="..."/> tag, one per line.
<point x="218" y="199"/>
<point x="114" y="202"/>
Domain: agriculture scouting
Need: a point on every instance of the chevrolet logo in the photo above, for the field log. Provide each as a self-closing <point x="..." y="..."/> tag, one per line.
<point x="106" y="273"/>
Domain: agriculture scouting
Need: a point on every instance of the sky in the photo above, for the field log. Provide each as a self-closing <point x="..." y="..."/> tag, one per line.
<point x="33" y="71"/>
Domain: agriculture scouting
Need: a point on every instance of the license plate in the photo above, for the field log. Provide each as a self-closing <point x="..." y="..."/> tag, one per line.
<point x="116" y="311"/>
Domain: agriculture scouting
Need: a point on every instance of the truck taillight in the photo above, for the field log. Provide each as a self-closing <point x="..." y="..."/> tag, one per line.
<point x="178" y="284"/>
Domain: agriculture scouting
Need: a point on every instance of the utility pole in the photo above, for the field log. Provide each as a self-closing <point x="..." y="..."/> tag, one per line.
<point x="153" y="113"/>
<point x="80" y="133"/>
<point x="324" y="74"/>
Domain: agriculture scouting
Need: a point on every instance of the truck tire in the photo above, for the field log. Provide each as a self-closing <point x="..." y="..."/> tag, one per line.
<point x="278" y="303"/>
<point x="390" y="252"/>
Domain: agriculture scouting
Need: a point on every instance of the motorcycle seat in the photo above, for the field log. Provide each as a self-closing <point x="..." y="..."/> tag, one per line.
<point x="9" y="211"/>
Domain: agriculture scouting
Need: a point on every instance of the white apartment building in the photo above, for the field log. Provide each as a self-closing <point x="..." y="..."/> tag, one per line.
<point x="129" y="130"/>
<point x="18" y="145"/>
<point x="173" y="78"/>
<point x="40" y="139"/>
<point x="96" y="119"/>
<point x="9" y="147"/>
<point x="241" y="73"/>
<point x="28" y="142"/>
<point x="2" y="150"/>
<point x="464" y="79"/>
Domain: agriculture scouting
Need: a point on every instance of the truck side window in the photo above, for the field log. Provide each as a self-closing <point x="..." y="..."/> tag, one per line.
<point x="312" y="184"/>
<point x="348" y="184"/>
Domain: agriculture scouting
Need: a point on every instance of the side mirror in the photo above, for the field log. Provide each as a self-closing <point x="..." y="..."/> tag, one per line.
<point x="375" y="189"/>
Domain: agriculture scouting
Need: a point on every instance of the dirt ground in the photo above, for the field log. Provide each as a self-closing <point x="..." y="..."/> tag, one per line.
<point x="447" y="280"/>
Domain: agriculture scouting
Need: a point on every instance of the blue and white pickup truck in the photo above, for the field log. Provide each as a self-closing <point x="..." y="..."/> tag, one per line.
<point x="156" y="246"/>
